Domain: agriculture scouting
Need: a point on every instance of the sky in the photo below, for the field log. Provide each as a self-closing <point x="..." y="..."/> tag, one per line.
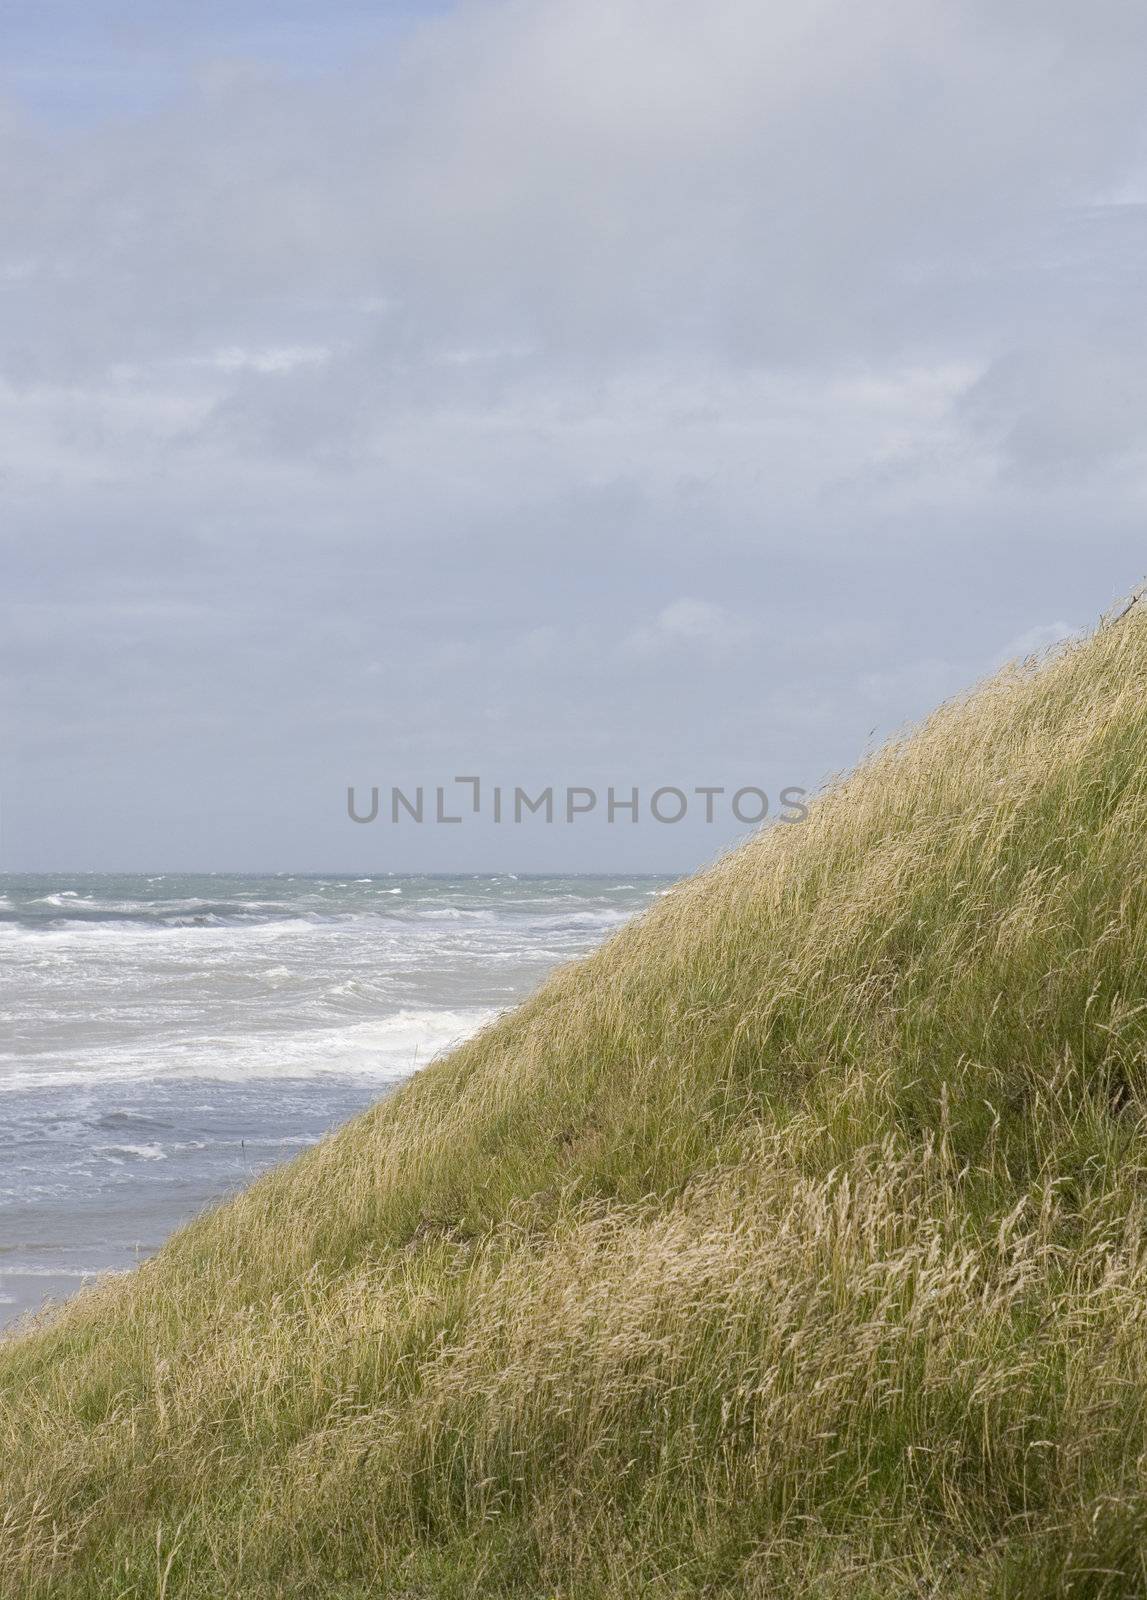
<point x="560" y="392"/>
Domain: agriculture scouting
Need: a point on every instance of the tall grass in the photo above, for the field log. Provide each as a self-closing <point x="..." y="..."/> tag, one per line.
<point x="795" y="1243"/>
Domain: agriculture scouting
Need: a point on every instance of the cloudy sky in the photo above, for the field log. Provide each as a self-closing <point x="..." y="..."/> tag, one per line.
<point x="560" y="391"/>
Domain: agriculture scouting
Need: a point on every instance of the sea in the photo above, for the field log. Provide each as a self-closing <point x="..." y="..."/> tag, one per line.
<point x="164" y="1038"/>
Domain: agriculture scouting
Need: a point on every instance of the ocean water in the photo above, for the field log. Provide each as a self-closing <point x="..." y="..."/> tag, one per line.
<point x="163" y="1039"/>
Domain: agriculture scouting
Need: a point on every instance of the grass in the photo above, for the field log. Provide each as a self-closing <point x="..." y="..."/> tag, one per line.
<point x="793" y="1244"/>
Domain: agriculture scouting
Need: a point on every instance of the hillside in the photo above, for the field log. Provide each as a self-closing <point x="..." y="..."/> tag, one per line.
<point x="792" y="1244"/>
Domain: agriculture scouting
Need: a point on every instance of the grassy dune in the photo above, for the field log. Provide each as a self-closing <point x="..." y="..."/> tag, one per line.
<point x="793" y="1244"/>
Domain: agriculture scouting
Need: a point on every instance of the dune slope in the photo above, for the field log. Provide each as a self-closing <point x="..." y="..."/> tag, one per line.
<point x="792" y="1244"/>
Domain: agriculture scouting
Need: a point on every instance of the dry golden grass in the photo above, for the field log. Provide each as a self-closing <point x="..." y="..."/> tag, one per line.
<point x="793" y="1244"/>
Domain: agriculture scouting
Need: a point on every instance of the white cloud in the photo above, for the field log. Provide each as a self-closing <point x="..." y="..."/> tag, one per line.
<point x="1036" y="641"/>
<point x="273" y="359"/>
<point x="691" y="627"/>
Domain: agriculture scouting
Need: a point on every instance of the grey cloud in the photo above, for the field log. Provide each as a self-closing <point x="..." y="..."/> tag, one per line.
<point x="600" y="178"/>
<point x="573" y="383"/>
<point x="1074" y="404"/>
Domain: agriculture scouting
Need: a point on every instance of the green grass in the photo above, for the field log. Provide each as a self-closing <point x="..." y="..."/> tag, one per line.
<point x="794" y="1244"/>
